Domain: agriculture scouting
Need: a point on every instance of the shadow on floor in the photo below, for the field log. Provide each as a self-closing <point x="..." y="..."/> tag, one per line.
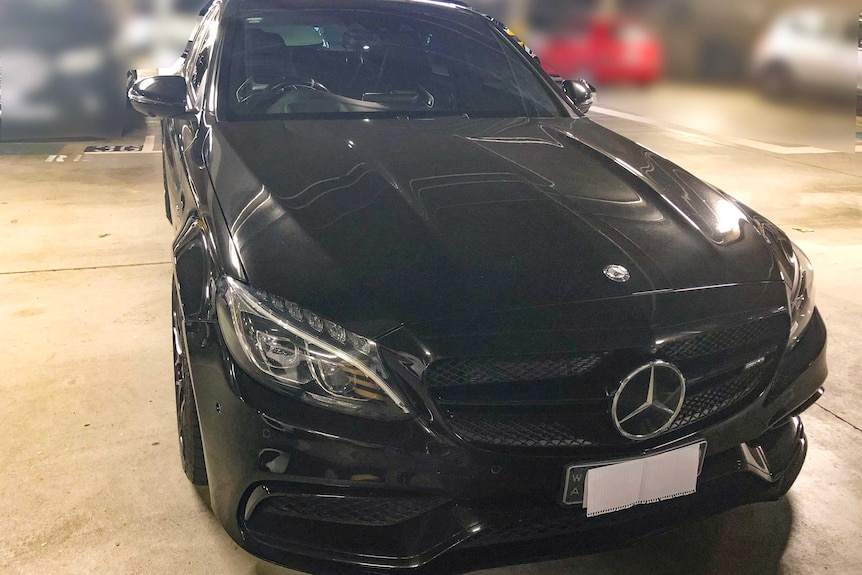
<point x="203" y="494"/>
<point x="746" y="541"/>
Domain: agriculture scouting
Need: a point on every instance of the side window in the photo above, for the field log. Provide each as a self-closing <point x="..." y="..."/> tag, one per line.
<point x="199" y="69"/>
<point x="199" y="56"/>
<point x="194" y="47"/>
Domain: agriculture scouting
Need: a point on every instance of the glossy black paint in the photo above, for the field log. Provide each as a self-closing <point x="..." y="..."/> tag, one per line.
<point x="331" y="455"/>
<point x="410" y="221"/>
<point x="581" y="93"/>
<point x="458" y="238"/>
<point x="159" y="96"/>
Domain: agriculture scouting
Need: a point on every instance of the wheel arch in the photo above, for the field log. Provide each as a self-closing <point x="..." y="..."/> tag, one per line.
<point x="202" y="253"/>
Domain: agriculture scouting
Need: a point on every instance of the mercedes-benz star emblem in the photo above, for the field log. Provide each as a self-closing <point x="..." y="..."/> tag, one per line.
<point x="618" y="274"/>
<point x="648" y="401"/>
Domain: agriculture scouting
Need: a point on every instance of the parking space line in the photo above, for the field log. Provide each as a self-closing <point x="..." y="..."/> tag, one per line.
<point x="126" y="152"/>
<point x="757" y="145"/>
<point x="86" y="268"/>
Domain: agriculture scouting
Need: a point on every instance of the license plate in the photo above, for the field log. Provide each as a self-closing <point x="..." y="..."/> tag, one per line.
<point x="613" y="486"/>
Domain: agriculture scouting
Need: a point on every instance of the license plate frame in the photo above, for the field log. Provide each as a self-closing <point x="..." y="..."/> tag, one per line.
<point x="575" y="475"/>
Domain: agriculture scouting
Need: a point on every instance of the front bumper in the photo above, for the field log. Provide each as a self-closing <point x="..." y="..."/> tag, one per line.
<point x="457" y="537"/>
<point x="326" y="493"/>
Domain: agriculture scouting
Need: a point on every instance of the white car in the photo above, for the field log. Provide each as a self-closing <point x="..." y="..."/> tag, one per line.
<point x="805" y="50"/>
<point x="859" y="71"/>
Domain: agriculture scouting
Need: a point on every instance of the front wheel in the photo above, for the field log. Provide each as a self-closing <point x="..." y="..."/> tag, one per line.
<point x="168" y="212"/>
<point x="188" y="424"/>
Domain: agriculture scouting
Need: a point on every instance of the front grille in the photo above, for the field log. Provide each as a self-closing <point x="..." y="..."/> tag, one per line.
<point x="528" y="430"/>
<point x="715" y="399"/>
<point x="564" y="402"/>
<point x="718" y="341"/>
<point x="466" y="372"/>
<point x="368" y="511"/>
<point x="516" y="432"/>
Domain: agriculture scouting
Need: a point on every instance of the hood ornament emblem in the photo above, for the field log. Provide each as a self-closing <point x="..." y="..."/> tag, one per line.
<point x="648" y="401"/>
<point x="617" y="273"/>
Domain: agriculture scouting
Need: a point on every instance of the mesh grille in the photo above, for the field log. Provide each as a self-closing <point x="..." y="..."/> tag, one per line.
<point x="718" y="398"/>
<point x="537" y="431"/>
<point x="530" y="524"/>
<point x="377" y="512"/>
<point x="718" y="340"/>
<point x="515" y="431"/>
<point x="477" y="414"/>
<point x="457" y="372"/>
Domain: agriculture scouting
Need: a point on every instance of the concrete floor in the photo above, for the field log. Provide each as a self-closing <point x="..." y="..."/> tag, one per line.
<point x="89" y="465"/>
<point x="739" y="111"/>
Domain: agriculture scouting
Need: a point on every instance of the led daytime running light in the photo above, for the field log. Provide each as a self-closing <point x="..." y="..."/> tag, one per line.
<point x="354" y="350"/>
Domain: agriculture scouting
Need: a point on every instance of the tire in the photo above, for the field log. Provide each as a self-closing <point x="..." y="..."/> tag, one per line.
<point x="188" y="424"/>
<point x="168" y="212"/>
<point x="776" y="83"/>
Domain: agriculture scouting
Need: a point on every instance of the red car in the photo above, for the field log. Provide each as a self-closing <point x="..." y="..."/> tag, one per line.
<point x="603" y="50"/>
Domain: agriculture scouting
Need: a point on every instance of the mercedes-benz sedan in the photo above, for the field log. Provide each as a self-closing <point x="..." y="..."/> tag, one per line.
<point x="429" y="317"/>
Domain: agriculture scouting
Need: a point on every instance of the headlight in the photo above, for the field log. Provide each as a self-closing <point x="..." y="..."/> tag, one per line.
<point x="297" y="351"/>
<point x="801" y="293"/>
<point x="798" y="274"/>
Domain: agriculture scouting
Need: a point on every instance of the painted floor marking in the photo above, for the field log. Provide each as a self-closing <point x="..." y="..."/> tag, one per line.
<point x="773" y="148"/>
<point x="63" y="158"/>
<point x="148" y="147"/>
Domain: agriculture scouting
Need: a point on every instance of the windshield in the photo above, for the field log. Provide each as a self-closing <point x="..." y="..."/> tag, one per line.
<point x="349" y="63"/>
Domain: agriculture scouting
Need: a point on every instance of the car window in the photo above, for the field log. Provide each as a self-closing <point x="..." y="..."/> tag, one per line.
<point x="199" y="69"/>
<point x="194" y="47"/>
<point x="391" y="62"/>
<point x="198" y="60"/>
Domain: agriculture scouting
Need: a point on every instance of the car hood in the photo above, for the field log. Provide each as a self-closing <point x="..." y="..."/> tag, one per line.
<point x="380" y="223"/>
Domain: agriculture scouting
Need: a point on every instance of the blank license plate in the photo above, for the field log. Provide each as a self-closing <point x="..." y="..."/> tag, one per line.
<point x="617" y="485"/>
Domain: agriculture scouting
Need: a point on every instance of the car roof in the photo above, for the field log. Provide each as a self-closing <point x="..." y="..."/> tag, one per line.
<point x="344" y="4"/>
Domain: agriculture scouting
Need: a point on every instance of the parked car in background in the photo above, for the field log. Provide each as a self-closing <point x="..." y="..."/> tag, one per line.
<point x="63" y="79"/>
<point x="427" y="316"/>
<point x="859" y="70"/>
<point x="807" y="49"/>
<point x="603" y="50"/>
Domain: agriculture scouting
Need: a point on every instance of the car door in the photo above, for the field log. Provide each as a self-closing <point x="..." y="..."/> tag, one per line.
<point x="184" y="162"/>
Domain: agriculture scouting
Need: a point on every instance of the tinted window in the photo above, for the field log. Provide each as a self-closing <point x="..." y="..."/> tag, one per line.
<point x="198" y="60"/>
<point x="379" y="62"/>
<point x="200" y="69"/>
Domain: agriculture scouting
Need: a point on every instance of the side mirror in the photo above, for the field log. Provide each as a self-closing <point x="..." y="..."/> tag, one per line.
<point x="581" y="93"/>
<point x="159" y="96"/>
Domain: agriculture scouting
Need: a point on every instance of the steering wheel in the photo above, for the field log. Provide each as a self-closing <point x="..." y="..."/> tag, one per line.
<point x="277" y="90"/>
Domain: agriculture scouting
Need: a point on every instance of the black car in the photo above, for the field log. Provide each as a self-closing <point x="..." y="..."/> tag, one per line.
<point x="428" y="317"/>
